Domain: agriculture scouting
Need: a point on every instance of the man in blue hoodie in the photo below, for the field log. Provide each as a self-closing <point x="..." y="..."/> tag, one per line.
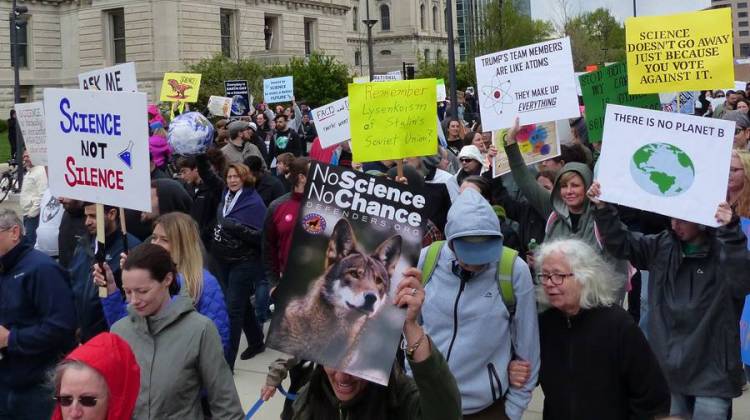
<point x="37" y="323"/>
<point x="467" y="319"/>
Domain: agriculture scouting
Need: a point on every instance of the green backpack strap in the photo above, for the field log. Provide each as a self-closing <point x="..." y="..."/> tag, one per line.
<point x="430" y="260"/>
<point x="505" y="279"/>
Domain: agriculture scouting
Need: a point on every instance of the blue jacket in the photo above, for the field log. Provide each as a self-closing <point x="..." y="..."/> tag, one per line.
<point x="90" y="315"/>
<point x="211" y="305"/>
<point x="36" y="305"/>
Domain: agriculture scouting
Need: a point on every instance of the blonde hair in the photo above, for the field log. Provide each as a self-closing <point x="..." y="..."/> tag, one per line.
<point x="743" y="200"/>
<point x="186" y="250"/>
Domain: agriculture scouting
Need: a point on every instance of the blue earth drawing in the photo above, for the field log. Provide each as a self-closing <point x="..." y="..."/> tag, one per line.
<point x="190" y="134"/>
<point x="239" y="105"/>
<point x="662" y="169"/>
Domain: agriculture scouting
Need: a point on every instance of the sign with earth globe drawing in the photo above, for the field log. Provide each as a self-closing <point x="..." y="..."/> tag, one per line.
<point x="662" y="169"/>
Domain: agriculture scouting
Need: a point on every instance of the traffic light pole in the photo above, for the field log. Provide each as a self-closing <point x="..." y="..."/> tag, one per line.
<point x="16" y="91"/>
<point x="451" y="60"/>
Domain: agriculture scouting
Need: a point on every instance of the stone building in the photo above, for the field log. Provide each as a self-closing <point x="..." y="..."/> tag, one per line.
<point x="741" y="24"/>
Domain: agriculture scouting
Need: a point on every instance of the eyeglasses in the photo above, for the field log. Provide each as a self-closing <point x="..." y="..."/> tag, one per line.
<point x="554" y="278"/>
<point x="465" y="160"/>
<point x="84" y="400"/>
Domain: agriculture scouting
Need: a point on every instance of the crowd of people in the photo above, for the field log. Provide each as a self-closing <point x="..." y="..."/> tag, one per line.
<point x="525" y="279"/>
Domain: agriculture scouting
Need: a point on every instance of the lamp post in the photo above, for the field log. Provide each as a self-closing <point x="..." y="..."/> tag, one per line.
<point x="451" y="59"/>
<point x="370" y="23"/>
<point x="17" y="21"/>
<point x="635" y="10"/>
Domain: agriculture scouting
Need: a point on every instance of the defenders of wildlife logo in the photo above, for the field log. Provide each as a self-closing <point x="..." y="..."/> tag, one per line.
<point x="662" y="169"/>
<point x="314" y="224"/>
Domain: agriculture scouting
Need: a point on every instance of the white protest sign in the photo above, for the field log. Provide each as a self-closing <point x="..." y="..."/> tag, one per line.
<point x="667" y="163"/>
<point x="739" y="85"/>
<point x="280" y="89"/>
<point x="535" y="82"/>
<point x="98" y="148"/>
<point x="116" y="78"/>
<point x="332" y="122"/>
<point x="30" y="118"/>
<point x="391" y="76"/>
<point x="221" y="106"/>
<point x="441" y="91"/>
<point x="361" y="79"/>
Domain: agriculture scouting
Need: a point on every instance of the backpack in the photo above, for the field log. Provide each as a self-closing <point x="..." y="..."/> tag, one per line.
<point x="504" y="272"/>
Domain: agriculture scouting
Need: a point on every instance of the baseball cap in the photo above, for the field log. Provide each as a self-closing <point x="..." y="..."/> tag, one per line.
<point x="478" y="250"/>
<point x="236" y="127"/>
<point x="738" y="117"/>
<point x="252" y="126"/>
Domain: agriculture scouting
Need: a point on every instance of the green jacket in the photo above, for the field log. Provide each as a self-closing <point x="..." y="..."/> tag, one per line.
<point x="432" y="394"/>
<point x="179" y="352"/>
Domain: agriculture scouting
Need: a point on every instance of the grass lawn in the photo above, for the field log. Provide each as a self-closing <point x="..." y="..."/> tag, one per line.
<point x="4" y="147"/>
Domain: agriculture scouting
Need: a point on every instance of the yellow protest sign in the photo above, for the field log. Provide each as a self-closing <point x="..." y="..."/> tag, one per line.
<point x="682" y="52"/>
<point x="180" y="87"/>
<point x="393" y="120"/>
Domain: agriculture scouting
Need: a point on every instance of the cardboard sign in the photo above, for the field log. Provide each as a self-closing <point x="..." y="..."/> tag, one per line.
<point x="180" y="87"/>
<point x="393" y="120"/>
<point x="442" y="95"/>
<point x="280" y="89"/>
<point x="332" y="122"/>
<point x="239" y="91"/>
<point x="352" y="326"/>
<point x="99" y="147"/>
<point x="535" y="82"/>
<point x="220" y="106"/>
<point x="682" y="52"/>
<point x="119" y="78"/>
<point x="30" y="118"/>
<point x="667" y="163"/>
<point x="609" y="86"/>
<point x="537" y="143"/>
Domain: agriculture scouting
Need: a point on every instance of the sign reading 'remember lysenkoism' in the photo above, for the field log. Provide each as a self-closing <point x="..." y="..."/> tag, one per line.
<point x="609" y="85"/>
<point x="682" y="52"/>
<point x="667" y="163"/>
<point x="534" y="82"/>
<point x="348" y="222"/>
<point x="393" y="120"/>
<point x="99" y="147"/>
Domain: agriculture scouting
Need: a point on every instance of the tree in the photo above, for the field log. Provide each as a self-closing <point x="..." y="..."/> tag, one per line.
<point x="596" y="38"/>
<point x="439" y="70"/>
<point x="214" y="71"/>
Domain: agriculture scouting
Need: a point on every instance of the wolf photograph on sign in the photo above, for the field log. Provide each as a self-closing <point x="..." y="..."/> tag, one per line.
<point x="354" y="238"/>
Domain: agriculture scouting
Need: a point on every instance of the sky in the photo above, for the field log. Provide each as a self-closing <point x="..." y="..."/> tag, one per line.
<point x="621" y="9"/>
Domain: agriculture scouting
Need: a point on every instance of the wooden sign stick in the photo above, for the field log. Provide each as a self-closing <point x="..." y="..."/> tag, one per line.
<point x="100" y="235"/>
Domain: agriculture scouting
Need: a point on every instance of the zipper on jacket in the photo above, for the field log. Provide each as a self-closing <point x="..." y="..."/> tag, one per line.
<point x="567" y="319"/>
<point x="455" y="319"/>
<point x="494" y="378"/>
<point x="571" y="398"/>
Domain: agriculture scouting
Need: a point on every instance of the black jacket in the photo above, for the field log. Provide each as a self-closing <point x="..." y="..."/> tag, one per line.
<point x="72" y="228"/>
<point x="307" y="133"/>
<point x="598" y="365"/>
<point x="269" y="188"/>
<point x="36" y="305"/>
<point x="695" y="303"/>
<point x="206" y="198"/>
<point x="292" y="144"/>
<point x="531" y="223"/>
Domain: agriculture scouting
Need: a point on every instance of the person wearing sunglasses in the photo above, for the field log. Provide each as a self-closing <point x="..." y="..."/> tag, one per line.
<point x="97" y="381"/>
<point x="595" y="361"/>
<point x="741" y="131"/>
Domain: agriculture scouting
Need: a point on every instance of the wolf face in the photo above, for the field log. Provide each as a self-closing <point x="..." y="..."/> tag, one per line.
<point x="357" y="284"/>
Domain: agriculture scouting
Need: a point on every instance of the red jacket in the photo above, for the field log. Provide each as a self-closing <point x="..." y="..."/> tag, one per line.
<point x="281" y="219"/>
<point x="112" y="357"/>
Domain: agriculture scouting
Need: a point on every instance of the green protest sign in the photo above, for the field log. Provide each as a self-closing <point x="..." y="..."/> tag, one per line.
<point x="609" y="85"/>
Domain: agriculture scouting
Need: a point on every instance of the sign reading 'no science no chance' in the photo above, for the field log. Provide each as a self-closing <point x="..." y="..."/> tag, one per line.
<point x="99" y="151"/>
<point x="393" y="120"/>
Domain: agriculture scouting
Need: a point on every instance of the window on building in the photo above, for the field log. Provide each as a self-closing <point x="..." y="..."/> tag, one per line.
<point x="742" y="23"/>
<point x="744" y="50"/>
<point x="741" y="14"/>
<point x="310" y="36"/>
<point x="435" y="18"/>
<point x="744" y="33"/>
<point x="385" y="52"/>
<point x="438" y="55"/>
<point x="227" y="23"/>
<point x="427" y="55"/>
<point x="385" y="18"/>
<point x="445" y="19"/>
<point x="23" y="44"/>
<point x="355" y="19"/>
<point x="116" y="20"/>
<point x="422" y="17"/>
<point x="357" y="58"/>
<point x="271" y="32"/>
<point x="742" y="5"/>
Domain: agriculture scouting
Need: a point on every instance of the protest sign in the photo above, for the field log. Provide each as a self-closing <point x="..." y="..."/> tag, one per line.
<point x="239" y="91"/>
<point x="609" y="85"/>
<point x="393" y="120"/>
<point x="119" y="78"/>
<point x="332" y="122"/>
<point x="180" y="87"/>
<point x="280" y="89"/>
<point x="684" y="103"/>
<point x="220" y="106"/>
<point x="441" y="92"/>
<point x="361" y="79"/>
<point x="682" y="52"/>
<point x="745" y="332"/>
<point x="349" y="324"/>
<point x="99" y="147"/>
<point x="739" y="85"/>
<point x="667" y="163"/>
<point x="534" y="82"/>
<point x="537" y="142"/>
<point x="30" y="118"/>
<point x="391" y="76"/>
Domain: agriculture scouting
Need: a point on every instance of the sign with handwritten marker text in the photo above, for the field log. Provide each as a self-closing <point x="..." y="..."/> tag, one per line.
<point x="332" y="122"/>
<point x="180" y="87"/>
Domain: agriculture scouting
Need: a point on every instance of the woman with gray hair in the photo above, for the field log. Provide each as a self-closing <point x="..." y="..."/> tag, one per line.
<point x="595" y="361"/>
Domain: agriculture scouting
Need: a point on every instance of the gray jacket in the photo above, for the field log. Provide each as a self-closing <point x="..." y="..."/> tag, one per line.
<point x="179" y="352"/>
<point x="481" y="342"/>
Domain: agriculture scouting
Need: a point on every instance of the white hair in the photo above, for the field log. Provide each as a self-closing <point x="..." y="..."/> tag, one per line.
<point x="598" y="278"/>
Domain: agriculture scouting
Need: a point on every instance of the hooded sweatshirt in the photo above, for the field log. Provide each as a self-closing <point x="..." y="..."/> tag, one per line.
<point x="113" y="359"/>
<point x="172" y="196"/>
<point x="159" y="149"/>
<point x="179" y="352"/>
<point x="456" y="314"/>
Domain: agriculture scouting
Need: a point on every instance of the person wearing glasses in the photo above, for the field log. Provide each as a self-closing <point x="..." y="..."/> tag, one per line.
<point x="97" y="381"/>
<point x="596" y="362"/>
<point x="741" y="130"/>
<point x="37" y="323"/>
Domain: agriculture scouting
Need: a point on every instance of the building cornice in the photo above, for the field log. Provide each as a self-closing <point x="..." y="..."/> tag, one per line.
<point x="326" y="7"/>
